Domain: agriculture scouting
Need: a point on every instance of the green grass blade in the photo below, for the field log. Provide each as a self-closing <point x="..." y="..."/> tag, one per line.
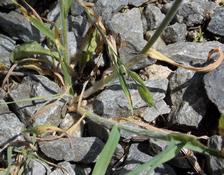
<point x="125" y="89"/>
<point x="146" y="95"/>
<point x="107" y="152"/>
<point x="29" y="49"/>
<point x="169" y="153"/>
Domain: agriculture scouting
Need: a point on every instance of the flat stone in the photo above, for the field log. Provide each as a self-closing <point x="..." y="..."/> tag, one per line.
<point x="189" y="102"/>
<point x="215" y="165"/>
<point x="78" y="149"/>
<point x="130" y="28"/>
<point x="136" y="3"/>
<point x="216" y="25"/>
<point x="214" y="87"/>
<point x="36" y="86"/>
<point x="190" y="52"/>
<point x="10" y="125"/>
<point x="112" y="102"/>
<point x="7" y="4"/>
<point x="16" y="26"/>
<point x="6" y="46"/>
<point x="153" y="16"/>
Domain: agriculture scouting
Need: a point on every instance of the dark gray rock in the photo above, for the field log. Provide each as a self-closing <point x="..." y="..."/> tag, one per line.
<point x="153" y="16"/>
<point x="195" y="12"/>
<point x="214" y="87"/>
<point x="6" y="46"/>
<point x="174" y="33"/>
<point x="36" y="86"/>
<point x="78" y="149"/>
<point x="10" y="126"/>
<point x="16" y="26"/>
<point x="130" y="28"/>
<point x="215" y="165"/>
<point x="36" y="167"/>
<point x="190" y="52"/>
<point x="189" y="102"/>
<point x="216" y="25"/>
<point x="65" y="169"/>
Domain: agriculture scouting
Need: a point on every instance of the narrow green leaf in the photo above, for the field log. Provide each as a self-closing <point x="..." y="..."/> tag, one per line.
<point x="125" y="89"/>
<point x="136" y="77"/>
<point x="166" y="155"/>
<point x="107" y="152"/>
<point x="30" y="49"/>
<point x="42" y="27"/>
<point x="146" y="94"/>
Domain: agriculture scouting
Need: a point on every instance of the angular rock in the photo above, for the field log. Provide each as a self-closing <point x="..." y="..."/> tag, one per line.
<point x="36" y="167"/>
<point x="10" y="126"/>
<point x="66" y="166"/>
<point x="153" y="16"/>
<point x="216" y="25"/>
<point x="194" y="13"/>
<point x="189" y="102"/>
<point x="130" y="28"/>
<point x="76" y="9"/>
<point x="215" y="165"/>
<point x="111" y="102"/>
<point x="6" y="46"/>
<point x="190" y="52"/>
<point x="136" y="3"/>
<point x="78" y="149"/>
<point x="37" y="86"/>
<point x="174" y="33"/>
<point x="214" y="87"/>
<point x="72" y="44"/>
<point x="16" y="26"/>
<point x="54" y="13"/>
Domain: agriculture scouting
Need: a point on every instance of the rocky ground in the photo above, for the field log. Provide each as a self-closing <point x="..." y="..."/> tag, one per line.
<point x="185" y="101"/>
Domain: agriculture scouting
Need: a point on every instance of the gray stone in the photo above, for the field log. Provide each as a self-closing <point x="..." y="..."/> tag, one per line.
<point x="6" y="46"/>
<point x="16" y="26"/>
<point x="10" y="126"/>
<point x="153" y="16"/>
<point x="216" y="25"/>
<point x="106" y="8"/>
<point x="214" y="87"/>
<point x="65" y="169"/>
<point x="54" y="13"/>
<point x="215" y="165"/>
<point x="78" y="149"/>
<point x="112" y="102"/>
<point x="130" y="28"/>
<point x="72" y="44"/>
<point x="136" y="3"/>
<point x="37" y="86"/>
<point x="195" y="12"/>
<point x="190" y="52"/>
<point x="189" y="102"/>
<point x="7" y="4"/>
<point x="174" y="33"/>
<point x="36" y="167"/>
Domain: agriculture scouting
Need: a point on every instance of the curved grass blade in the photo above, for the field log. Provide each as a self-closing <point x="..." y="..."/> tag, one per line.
<point x="125" y="89"/>
<point x="169" y="153"/>
<point x="107" y="152"/>
<point x="136" y="77"/>
<point x="30" y="49"/>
